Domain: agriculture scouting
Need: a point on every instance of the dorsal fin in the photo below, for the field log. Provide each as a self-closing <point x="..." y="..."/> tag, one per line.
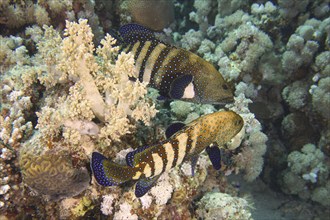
<point x="131" y="33"/>
<point x="130" y="156"/>
<point x="173" y="128"/>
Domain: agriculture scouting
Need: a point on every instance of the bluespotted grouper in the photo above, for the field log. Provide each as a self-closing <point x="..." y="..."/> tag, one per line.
<point x="175" y="72"/>
<point x="184" y="142"/>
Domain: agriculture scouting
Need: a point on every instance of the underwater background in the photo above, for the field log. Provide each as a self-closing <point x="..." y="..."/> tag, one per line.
<point x="67" y="91"/>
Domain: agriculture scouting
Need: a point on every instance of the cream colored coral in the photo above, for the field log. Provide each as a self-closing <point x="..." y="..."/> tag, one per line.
<point x="49" y="120"/>
<point x="144" y="112"/>
<point x="102" y="87"/>
<point x="41" y="15"/>
<point x="79" y="63"/>
<point x="49" y="56"/>
<point x="13" y="126"/>
<point x="117" y="125"/>
<point x="108" y="51"/>
<point x="77" y="106"/>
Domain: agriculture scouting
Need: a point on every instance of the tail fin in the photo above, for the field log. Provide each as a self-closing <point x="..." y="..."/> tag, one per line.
<point x="108" y="173"/>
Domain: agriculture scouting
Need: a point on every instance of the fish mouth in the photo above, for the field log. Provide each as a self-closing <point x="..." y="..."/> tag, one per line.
<point x="227" y="100"/>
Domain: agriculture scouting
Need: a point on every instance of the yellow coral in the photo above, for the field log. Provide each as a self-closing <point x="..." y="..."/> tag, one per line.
<point x="84" y="205"/>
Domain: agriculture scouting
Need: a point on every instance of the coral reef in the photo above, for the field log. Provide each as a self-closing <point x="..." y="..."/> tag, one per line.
<point x="67" y="90"/>
<point x="66" y="135"/>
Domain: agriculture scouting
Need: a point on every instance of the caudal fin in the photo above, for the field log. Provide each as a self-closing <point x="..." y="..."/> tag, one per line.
<point x="108" y="173"/>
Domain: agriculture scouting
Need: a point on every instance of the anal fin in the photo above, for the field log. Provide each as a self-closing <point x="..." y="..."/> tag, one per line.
<point x="144" y="185"/>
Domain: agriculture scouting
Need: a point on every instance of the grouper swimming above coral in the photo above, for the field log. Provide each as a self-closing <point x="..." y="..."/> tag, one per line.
<point x="175" y="72"/>
<point x="145" y="164"/>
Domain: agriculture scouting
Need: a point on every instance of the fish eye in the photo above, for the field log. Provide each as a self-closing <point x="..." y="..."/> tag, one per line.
<point x="225" y="87"/>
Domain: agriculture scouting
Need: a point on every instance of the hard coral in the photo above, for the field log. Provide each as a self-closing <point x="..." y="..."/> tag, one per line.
<point x="53" y="175"/>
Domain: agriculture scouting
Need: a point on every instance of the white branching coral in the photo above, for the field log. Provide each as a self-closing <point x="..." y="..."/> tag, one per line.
<point x="13" y="126"/>
<point x="162" y="191"/>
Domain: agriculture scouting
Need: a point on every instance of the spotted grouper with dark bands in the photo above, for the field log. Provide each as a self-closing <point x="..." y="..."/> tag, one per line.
<point x="175" y="72"/>
<point x="184" y="142"/>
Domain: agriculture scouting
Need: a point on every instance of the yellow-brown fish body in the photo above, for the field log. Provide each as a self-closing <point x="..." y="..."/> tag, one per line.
<point x="147" y="163"/>
<point x="175" y="72"/>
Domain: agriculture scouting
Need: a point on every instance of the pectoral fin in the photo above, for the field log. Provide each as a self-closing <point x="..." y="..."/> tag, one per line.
<point x="215" y="156"/>
<point x="182" y="87"/>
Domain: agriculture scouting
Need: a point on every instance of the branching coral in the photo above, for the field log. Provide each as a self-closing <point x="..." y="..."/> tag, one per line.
<point x="303" y="45"/>
<point x="321" y="97"/>
<point x="12" y="122"/>
<point x="249" y="43"/>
